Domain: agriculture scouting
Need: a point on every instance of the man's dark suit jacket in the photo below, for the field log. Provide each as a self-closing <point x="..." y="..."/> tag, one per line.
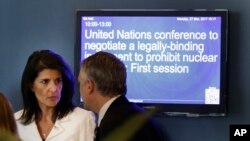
<point x="118" y="113"/>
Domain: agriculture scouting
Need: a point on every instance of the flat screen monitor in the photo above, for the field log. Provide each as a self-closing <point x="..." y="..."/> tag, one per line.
<point x="176" y="60"/>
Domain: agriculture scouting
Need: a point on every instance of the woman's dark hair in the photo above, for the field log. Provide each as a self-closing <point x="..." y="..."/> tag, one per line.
<point x="37" y="62"/>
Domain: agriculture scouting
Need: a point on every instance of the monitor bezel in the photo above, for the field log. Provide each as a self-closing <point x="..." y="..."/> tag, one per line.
<point x="189" y="110"/>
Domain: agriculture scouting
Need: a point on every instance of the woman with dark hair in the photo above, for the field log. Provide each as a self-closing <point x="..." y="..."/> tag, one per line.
<point x="7" y="121"/>
<point x="49" y="113"/>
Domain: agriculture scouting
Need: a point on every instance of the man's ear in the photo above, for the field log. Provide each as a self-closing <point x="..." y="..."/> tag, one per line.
<point x="90" y="86"/>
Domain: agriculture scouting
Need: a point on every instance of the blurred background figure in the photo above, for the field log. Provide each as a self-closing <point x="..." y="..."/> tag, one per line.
<point x="8" y="128"/>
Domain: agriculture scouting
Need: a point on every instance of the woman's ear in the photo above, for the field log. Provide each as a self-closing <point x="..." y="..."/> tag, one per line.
<point x="31" y="87"/>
